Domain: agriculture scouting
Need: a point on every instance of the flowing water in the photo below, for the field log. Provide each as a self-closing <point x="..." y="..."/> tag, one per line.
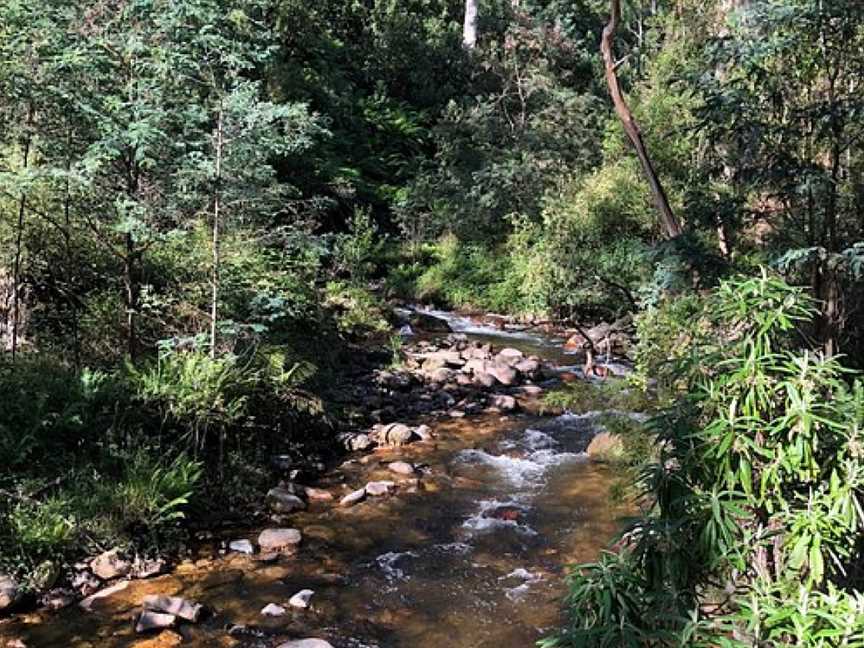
<point x="473" y="556"/>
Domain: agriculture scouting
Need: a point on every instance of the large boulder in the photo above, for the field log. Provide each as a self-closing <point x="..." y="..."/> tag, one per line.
<point x="9" y="592"/>
<point x="284" y="500"/>
<point x="421" y="321"/>
<point x="502" y="373"/>
<point x="279" y="539"/>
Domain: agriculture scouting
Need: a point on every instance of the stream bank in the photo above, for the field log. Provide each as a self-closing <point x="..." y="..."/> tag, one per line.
<point x="468" y="546"/>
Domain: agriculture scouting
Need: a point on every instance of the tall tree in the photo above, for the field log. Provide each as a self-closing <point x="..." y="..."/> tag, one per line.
<point x="469" y="28"/>
<point x="668" y="219"/>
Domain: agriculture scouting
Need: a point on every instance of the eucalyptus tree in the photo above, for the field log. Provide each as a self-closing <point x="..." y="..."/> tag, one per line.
<point x="234" y="134"/>
<point x="786" y="118"/>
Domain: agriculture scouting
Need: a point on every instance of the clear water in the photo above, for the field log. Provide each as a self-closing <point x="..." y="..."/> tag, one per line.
<point x="472" y="558"/>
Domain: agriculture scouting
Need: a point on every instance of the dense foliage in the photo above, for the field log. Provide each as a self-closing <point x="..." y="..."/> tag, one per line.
<point x="204" y="204"/>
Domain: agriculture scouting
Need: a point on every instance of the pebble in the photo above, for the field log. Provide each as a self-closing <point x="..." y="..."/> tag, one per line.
<point x="273" y="610"/>
<point x="241" y="546"/>
<point x="353" y="498"/>
<point x="401" y="468"/>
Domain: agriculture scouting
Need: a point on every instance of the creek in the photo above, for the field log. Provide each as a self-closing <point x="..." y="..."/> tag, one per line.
<point x="470" y="555"/>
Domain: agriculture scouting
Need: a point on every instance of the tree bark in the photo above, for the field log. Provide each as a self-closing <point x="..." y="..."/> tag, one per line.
<point x="19" y="236"/>
<point x="214" y="296"/>
<point x="469" y="29"/>
<point x="670" y="223"/>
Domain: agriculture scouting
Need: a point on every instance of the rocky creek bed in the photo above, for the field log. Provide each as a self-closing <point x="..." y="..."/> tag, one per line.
<point x="452" y="519"/>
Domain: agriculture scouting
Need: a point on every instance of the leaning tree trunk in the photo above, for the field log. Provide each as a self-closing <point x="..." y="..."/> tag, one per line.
<point x="668" y="220"/>
<point x="469" y="29"/>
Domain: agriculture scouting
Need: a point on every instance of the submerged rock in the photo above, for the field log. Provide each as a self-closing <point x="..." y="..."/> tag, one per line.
<point x="87" y="603"/>
<point x="149" y="621"/>
<point x="421" y="321"/>
<point x="279" y="539"/>
<point x="173" y="605"/>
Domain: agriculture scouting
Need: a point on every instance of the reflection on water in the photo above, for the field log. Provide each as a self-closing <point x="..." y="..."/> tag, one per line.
<point x="472" y="558"/>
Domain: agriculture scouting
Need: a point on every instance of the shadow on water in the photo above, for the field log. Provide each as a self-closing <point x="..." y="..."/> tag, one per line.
<point x="472" y="556"/>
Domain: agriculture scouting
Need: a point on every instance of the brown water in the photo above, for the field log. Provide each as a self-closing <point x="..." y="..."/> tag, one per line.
<point x="472" y="556"/>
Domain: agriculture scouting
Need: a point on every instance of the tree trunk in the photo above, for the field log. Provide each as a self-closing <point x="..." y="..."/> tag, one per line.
<point x="668" y="220"/>
<point x="130" y="288"/>
<point x="469" y="29"/>
<point x="214" y="295"/>
<point x="19" y="241"/>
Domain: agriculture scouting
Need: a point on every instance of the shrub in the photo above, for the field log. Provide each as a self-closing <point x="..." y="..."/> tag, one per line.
<point x="755" y="497"/>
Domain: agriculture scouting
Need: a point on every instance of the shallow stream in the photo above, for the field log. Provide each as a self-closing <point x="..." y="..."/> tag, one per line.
<point x="472" y="556"/>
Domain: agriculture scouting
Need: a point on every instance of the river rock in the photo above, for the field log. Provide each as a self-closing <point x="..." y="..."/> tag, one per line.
<point x="441" y="375"/>
<point x="605" y="447"/>
<point x="360" y="442"/>
<point x="503" y="402"/>
<point x="475" y="353"/>
<point x="528" y="367"/>
<point x="318" y="494"/>
<point x="502" y="373"/>
<point x="306" y="643"/>
<point x="393" y="434"/>
<point x="510" y="352"/>
<point x="241" y="546"/>
<point x="301" y="599"/>
<point x="273" y="610"/>
<point x="354" y="497"/>
<point x="484" y="379"/>
<point x="279" y="539"/>
<point x="149" y="621"/>
<point x="421" y="321"/>
<point x="423" y="432"/>
<point x="9" y="592"/>
<point x="173" y="606"/>
<point x="379" y="488"/>
<point x="401" y="468"/>
<point x="110" y="565"/>
<point x="531" y="390"/>
<point x="87" y="603"/>
<point x="475" y="366"/>
<point x="284" y="500"/>
<point x="147" y="568"/>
